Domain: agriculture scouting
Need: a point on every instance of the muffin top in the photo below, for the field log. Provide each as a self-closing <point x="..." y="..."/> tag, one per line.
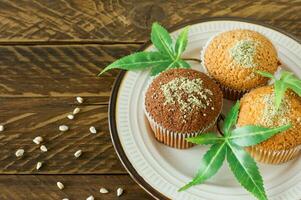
<point x="231" y="57"/>
<point x="258" y="108"/>
<point x="183" y="100"/>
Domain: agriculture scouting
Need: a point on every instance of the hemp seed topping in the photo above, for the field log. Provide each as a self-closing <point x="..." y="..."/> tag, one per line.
<point x="243" y="53"/>
<point x="271" y="116"/>
<point x="189" y="94"/>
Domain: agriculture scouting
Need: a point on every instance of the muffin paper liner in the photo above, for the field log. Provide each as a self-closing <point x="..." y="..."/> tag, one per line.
<point x="172" y="138"/>
<point x="230" y="93"/>
<point x="273" y="156"/>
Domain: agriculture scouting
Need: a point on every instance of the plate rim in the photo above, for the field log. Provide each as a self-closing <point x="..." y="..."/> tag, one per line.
<point x="114" y="96"/>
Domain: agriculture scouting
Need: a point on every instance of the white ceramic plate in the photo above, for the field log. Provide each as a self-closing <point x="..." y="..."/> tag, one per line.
<point x="162" y="170"/>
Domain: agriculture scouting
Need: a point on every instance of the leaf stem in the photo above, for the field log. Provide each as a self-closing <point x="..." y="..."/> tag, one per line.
<point x="171" y="64"/>
<point x="192" y="59"/>
<point x="221" y="118"/>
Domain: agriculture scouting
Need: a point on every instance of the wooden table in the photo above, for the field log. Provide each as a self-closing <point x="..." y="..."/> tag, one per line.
<point x="50" y="52"/>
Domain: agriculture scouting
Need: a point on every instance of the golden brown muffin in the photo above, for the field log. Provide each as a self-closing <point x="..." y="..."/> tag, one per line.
<point x="181" y="103"/>
<point x="258" y="108"/>
<point x="231" y="58"/>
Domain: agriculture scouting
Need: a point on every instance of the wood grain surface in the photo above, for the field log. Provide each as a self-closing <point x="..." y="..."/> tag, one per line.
<point x="59" y="70"/>
<point x="44" y="187"/>
<point x="51" y="51"/>
<point x="37" y="92"/>
<point x="128" y="20"/>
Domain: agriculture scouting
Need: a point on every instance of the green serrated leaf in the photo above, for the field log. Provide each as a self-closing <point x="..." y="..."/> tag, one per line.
<point x="206" y="138"/>
<point x="265" y="74"/>
<point x="162" y="40"/>
<point x="166" y="57"/>
<point x="231" y="119"/>
<point x="293" y="79"/>
<point x="295" y="88"/>
<point x="140" y="60"/>
<point x="159" y="68"/>
<point x="245" y="170"/>
<point x="294" y="83"/>
<point x="285" y="75"/>
<point x="172" y="65"/>
<point x="279" y="90"/>
<point x="181" y="42"/>
<point x="251" y="135"/>
<point x="183" y="64"/>
<point x="210" y="164"/>
<point x="279" y="86"/>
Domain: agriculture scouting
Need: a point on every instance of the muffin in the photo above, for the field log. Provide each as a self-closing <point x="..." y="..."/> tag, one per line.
<point x="258" y="108"/>
<point x="182" y="103"/>
<point x="231" y="57"/>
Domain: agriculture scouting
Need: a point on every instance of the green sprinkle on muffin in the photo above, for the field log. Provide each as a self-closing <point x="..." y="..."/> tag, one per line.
<point x="243" y="53"/>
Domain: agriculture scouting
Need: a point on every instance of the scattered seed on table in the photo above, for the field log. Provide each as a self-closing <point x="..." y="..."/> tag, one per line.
<point x="63" y="128"/>
<point x="103" y="191"/>
<point x="60" y="185"/>
<point x="90" y="198"/>
<point x="119" y="192"/>
<point x="70" y="116"/>
<point x="19" y="153"/>
<point x="43" y="148"/>
<point x="76" y="110"/>
<point x="39" y="165"/>
<point x="78" y="153"/>
<point x="38" y="140"/>
<point x="1" y="128"/>
<point x="93" y="130"/>
<point x="79" y="99"/>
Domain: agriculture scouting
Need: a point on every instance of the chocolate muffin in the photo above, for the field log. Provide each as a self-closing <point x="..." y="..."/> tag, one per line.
<point x="258" y="108"/>
<point x="181" y="103"/>
<point x="231" y="57"/>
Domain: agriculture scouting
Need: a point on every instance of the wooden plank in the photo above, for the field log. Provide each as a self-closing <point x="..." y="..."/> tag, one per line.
<point x="20" y="187"/>
<point x="128" y="21"/>
<point x="26" y="118"/>
<point x="56" y="71"/>
<point x="38" y="86"/>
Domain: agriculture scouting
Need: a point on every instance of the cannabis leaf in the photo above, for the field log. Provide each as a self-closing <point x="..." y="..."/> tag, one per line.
<point x="286" y="81"/>
<point x="182" y="64"/>
<point x="162" y="40"/>
<point x="181" y="42"/>
<point x="231" y="118"/>
<point x="231" y="146"/>
<point x="265" y="74"/>
<point x="245" y="170"/>
<point x="138" y="61"/>
<point x="208" y="138"/>
<point x="167" y="56"/>
<point x="210" y="164"/>
<point x="251" y="135"/>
